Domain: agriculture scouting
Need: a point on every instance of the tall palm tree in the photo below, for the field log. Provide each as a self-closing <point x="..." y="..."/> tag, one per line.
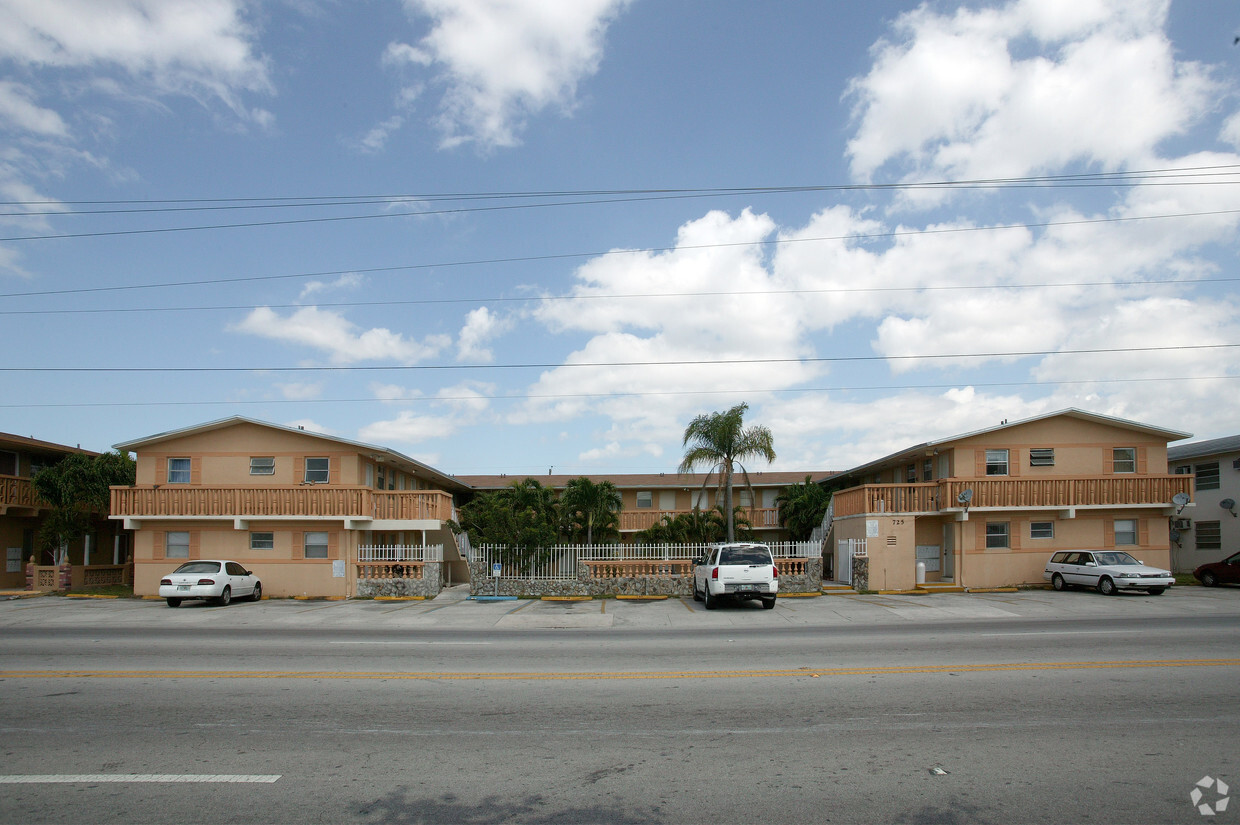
<point x="719" y="442"/>
<point x="591" y="506"/>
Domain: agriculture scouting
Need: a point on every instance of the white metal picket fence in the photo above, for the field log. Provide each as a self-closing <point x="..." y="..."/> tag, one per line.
<point x="400" y="552"/>
<point x="561" y="561"/>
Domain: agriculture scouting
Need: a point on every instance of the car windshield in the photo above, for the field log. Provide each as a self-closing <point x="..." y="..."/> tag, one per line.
<point x="745" y="555"/>
<point x="199" y="567"/>
<point x="1115" y="558"/>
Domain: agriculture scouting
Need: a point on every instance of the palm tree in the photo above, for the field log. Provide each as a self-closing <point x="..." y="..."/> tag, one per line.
<point x="588" y="506"/>
<point x="801" y="508"/>
<point x="720" y="442"/>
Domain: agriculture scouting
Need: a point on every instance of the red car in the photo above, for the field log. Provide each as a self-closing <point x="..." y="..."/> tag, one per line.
<point x="1226" y="571"/>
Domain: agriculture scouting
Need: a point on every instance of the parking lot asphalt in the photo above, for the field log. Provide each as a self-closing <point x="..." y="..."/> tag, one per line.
<point x="452" y="609"/>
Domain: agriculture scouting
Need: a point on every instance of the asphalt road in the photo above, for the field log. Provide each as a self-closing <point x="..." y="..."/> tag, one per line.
<point x="1003" y="708"/>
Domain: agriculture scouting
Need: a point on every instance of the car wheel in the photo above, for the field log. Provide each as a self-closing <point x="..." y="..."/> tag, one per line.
<point x="1209" y="579"/>
<point x="257" y="595"/>
<point x="1058" y="583"/>
<point x="174" y="602"/>
<point x="225" y="597"/>
<point x="1157" y="591"/>
<point x="1106" y="587"/>
<point x="708" y="601"/>
<point x="768" y="604"/>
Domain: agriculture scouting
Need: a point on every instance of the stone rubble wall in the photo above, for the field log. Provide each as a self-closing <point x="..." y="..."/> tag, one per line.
<point x="428" y="586"/>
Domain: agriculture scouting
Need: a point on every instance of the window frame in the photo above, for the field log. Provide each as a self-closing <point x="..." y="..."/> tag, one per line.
<point x="646" y="496"/>
<point x="188" y="471"/>
<point x="306" y="544"/>
<point x="1041" y="456"/>
<point x="326" y="472"/>
<point x="262" y="544"/>
<point x="1214" y="529"/>
<point x="257" y="469"/>
<point x="1116" y="460"/>
<point x="1135" y="532"/>
<point x="1213" y="471"/>
<point x="169" y="545"/>
<point x="995" y="462"/>
<point x="1048" y="532"/>
<point x="1005" y="534"/>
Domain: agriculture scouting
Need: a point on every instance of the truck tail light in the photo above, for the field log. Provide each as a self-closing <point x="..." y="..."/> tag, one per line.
<point x="774" y="571"/>
<point x="714" y="572"/>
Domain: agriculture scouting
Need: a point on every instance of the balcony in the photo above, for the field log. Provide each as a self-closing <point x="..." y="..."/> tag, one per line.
<point x="633" y="520"/>
<point x="310" y="502"/>
<point x="1013" y="493"/>
<point x="18" y="494"/>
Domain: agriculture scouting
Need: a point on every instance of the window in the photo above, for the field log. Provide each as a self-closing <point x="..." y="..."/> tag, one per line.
<point x="1125" y="531"/>
<point x="996" y="535"/>
<point x="1124" y="460"/>
<point x="910" y="474"/>
<point x="1042" y="457"/>
<point x="176" y="545"/>
<point x="178" y="471"/>
<point x="1041" y="529"/>
<point x="317" y="470"/>
<point x="8" y="464"/>
<point x="1185" y="470"/>
<point x="1207" y="476"/>
<point x="262" y="466"/>
<point x="316" y="545"/>
<point x="927" y="469"/>
<point x="996" y="462"/>
<point x="13" y="561"/>
<point x="262" y="541"/>
<point x="1209" y="535"/>
<point x="645" y="500"/>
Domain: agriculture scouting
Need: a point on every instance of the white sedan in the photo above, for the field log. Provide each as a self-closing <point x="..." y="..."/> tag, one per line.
<point x="1107" y="570"/>
<point x="212" y="579"/>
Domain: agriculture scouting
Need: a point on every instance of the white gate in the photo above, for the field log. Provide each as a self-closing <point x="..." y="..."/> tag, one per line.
<point x="848" y="548"/>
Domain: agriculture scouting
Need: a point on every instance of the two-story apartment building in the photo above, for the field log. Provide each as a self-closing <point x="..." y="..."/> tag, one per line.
<point x="988" y="508"/>
<point x="1211" y="531"/>
<point x="292" y="505"/>
<point x="22" y="513"/>
<point x="646" y="498"/>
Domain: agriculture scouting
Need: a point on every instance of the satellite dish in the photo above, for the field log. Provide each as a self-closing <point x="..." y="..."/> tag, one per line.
<point x="1227" y="504"/>
<point x="965" y="497"/>
<point x="1180" y="500"/>
<point x="1175" y="536"/>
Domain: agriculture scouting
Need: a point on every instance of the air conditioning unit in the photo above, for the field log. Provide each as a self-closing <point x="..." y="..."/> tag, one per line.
<point x="1182" y="524"/>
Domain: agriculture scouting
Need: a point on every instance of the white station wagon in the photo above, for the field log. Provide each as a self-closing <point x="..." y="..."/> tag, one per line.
<point x="1108" y="570"/>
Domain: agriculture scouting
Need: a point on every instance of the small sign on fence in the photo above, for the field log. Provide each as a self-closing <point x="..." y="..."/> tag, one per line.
<point x="495" y="569"/>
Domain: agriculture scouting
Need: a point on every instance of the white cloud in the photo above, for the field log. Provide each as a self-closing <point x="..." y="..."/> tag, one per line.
<point x="338" y="337"/>
<point x="300" y="391"/>
<point x="503" y="60"/>
<point x="19" y="112"/>
<point x="346" y="282"/>
<point x="958" y="97"/>
<point x="462" y="405"/>
<point x="481" y="326"/>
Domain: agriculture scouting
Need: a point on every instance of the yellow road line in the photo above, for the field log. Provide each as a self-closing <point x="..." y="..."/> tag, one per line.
<point x="602" y="675"/>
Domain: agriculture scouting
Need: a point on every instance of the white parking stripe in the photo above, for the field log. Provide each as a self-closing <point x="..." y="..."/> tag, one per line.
<point x="92" y="778"/>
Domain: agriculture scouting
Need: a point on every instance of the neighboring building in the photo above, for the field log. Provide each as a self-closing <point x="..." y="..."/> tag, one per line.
<point x="1209" y="532"/>
<point x="22" y="514"/>
<point x="648" y="497"/>
<point x="988" y="508"/>
<point x="295" y="506"/>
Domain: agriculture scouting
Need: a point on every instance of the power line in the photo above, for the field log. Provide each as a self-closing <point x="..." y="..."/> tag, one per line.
<point x="624" y="296"/>
<point x="595" y="254"/>
<point x="605" y="395"/>
<point x="614" y="364"/>
<point x="586" y="198"/>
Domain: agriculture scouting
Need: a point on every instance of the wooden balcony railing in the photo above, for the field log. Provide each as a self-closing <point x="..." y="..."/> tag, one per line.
<point x="1102" y="491"/>
<point x="19" y="492"/>
<point x="256" y="502"/>
<point x="630" y="520"/>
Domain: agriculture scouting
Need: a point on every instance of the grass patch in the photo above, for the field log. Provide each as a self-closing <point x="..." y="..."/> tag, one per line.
<point x="1185" y="579"/>
<point x="121" y="591"/>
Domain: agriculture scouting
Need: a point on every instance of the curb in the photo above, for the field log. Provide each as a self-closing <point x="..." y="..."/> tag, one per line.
<point x="808" y="595"/>
<point x="399" y="598"/>
<point x="87" y="596"/>
<point x="319" y="598"/>
<point x="643" y="598"/>
<point x="566" y="598"/>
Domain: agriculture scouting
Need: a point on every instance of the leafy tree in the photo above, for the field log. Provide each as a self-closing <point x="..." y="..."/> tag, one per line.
<point x="77" y="489"/>
<point x="522" y="518"/>
<point x="801" y="508"/>
<point x="590" y="508"/>
<point x="720" y="442"/>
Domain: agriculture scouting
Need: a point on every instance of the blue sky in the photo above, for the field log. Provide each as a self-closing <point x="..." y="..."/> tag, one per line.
<point x="512" y="235"/>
